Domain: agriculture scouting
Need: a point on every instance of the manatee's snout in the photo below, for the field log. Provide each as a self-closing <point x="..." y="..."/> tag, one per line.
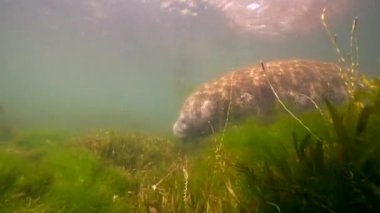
<point x="194" y="119"/>
<point x="179" y="129"/>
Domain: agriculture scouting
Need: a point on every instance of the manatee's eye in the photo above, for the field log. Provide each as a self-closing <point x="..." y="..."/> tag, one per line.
<point x="183" y="123"/>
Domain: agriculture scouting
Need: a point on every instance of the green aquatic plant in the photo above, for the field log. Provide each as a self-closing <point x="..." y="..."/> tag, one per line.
<point x="59" y="176"/>
<point x="130" y="151"/>
<point x="335" y="175"/>
<point x="261" y="167"/>
<point x="155" y="162"/>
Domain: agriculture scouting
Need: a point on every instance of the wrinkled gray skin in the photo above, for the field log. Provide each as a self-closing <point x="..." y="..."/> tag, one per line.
<point x="246" y="92"/>
<point x="198" y="119"/>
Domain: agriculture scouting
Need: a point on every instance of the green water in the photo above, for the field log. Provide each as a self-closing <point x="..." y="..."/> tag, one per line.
<point x="89" y="91"/>
<point x="130" y="65"/>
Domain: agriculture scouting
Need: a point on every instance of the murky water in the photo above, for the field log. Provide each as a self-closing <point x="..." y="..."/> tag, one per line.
<point x="129" y="64"/>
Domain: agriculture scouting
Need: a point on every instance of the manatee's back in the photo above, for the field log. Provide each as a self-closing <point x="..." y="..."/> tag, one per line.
<point x="299" y="83"/>
<point x="302" y="82"/>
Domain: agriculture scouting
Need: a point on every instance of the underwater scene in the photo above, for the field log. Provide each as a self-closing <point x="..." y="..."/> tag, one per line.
<point x="189" y="106"/>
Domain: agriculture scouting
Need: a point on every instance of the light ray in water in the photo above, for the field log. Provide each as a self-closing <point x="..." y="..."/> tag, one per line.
<point x="264" y="17"/>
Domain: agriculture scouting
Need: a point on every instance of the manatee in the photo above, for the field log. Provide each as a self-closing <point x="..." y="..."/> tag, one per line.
<point x="299" y="83"/>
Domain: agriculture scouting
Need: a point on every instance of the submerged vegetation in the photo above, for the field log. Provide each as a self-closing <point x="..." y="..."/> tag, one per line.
<point x="276" y="167"/>
<point x="333" y="165"/>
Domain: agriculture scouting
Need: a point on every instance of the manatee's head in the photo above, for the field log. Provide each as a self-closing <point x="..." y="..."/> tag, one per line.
<point x="196" y="117"/>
